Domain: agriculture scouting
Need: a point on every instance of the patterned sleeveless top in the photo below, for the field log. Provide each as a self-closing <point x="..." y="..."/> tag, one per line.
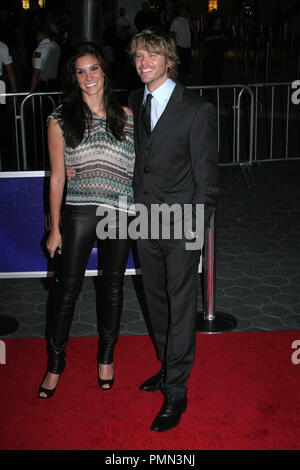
<point x="104" y="166"/>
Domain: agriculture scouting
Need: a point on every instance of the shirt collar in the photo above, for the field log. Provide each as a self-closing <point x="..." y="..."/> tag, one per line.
<point x="45" y="41"/>
<point x="162" y="93"/>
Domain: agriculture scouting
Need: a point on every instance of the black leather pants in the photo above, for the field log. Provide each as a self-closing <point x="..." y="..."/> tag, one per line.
<point x="78" y="239"/>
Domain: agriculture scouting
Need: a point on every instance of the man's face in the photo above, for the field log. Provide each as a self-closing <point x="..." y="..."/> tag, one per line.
<point x="152" y="68"/>
<point x="39" y="37"/>
<point x="183" y="12"/>
<point x="218" y="24"/>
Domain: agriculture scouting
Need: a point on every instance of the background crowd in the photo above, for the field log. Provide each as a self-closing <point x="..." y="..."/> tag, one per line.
<point x="206" y="39"/>
<point x="21" y="31"/>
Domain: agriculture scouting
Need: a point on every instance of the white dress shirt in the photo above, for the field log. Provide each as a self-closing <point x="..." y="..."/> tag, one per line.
<point x="5" y="58"/>
<point x="160" y="99"/>
<point x="46" y="58"/>
<point x="181" y="27"/>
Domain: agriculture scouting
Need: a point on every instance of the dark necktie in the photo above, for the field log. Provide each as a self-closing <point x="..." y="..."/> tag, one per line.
<point x="147" y="114"/>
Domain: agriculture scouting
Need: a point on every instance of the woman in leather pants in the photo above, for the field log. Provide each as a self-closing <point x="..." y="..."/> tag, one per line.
<point x="93" y="133"/>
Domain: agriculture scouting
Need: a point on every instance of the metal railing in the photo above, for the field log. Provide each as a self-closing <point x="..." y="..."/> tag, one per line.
<point x="30" y="112"/>
<point x="276" y="123"/>
<point x="232" y="108"/>
<point x="27" y="115"/>
<point x="37" y="123"/>
<point x="255" y="123"/>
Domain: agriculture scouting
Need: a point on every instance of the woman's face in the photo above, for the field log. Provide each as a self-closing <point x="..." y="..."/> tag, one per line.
<point x="89" y="75"/>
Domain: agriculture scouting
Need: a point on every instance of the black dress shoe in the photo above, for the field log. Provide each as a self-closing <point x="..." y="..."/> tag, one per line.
<point x="154" y="383"/>
<point x="169" y="415"/>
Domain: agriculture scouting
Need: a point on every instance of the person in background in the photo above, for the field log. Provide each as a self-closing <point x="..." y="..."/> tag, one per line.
<point x="122" y="65"/>
<point x="21" y="58"/>
<point x="109" y="38"/>
<point x="123" y="27"/>
<point x="143" y="18"/>
<point x="6" y="141"/>
<point x="171" y="12"/>
<point x="215" y="47"/>
<point x="93" y="133"/>
<point x="7" y="61"/>
<point x="45" y="62"/>
<point x="6" y="25"/>
<point x="182" y="30"/>
<point x="52" y="22"/>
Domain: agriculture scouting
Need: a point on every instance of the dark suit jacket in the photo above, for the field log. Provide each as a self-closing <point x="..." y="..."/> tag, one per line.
<point x="179" y="163"/>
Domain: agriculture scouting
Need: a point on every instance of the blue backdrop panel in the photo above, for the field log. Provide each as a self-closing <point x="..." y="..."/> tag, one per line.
<point x="23" y="205"/>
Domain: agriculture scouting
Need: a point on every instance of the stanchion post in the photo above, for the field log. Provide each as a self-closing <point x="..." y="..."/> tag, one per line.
<point x="210" y="321"/>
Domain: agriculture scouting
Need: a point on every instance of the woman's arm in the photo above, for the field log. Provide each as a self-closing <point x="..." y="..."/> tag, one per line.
<point x="57" y="184"/>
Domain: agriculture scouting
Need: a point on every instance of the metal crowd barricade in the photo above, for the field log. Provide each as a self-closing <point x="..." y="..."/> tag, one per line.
<point x="276" y="123"/>
<point x="14" y="97"/>
<point x="235" y="109"/>
<point x="41" y="97"/>
<point x="36" y="119"/>
<point x="236" y="106"/>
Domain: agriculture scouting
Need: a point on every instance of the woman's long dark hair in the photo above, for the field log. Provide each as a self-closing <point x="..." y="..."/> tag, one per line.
<point x="76" y="115"/>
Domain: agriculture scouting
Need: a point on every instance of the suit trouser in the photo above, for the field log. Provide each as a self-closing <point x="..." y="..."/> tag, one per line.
<point x="170" y="283"/>
<point x="78" y="239"/>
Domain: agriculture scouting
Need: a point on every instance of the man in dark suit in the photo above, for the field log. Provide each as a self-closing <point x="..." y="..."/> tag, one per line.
<point x="176" y="163"/>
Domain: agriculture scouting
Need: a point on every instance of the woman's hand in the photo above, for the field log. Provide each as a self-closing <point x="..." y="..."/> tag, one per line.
<point x="54" y="243"/>
<point x="70" y="172"/>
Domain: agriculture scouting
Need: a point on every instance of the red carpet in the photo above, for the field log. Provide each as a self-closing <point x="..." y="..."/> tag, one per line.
<point x="243" y="394"/>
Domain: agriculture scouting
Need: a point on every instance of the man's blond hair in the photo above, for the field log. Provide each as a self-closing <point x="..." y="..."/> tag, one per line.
<point x="160" y="42"/>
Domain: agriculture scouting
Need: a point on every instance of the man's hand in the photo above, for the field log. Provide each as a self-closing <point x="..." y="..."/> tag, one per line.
<point x="70" y="172"/>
